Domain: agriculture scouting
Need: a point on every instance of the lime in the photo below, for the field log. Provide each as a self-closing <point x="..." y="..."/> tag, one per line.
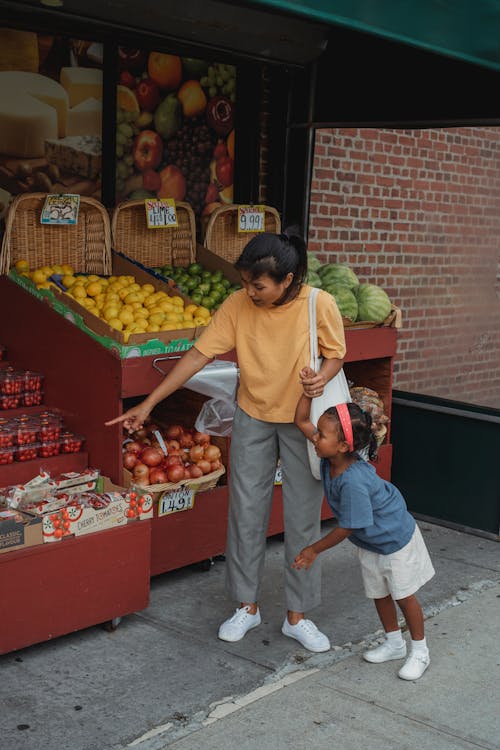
<point x="206" y="275"/>
<point x="204" y="287"/>
<point x="194" y="269"/>
<point x="216" y="296"/>
<point x="207" y="302"/>
<point x="197" y="297"/>
<point x="217" y="276"/>
<point x="167" y="270"/>
<point x="192" y="283"/>
<point x="226" y="283"/>
<point x="219" y="287"/>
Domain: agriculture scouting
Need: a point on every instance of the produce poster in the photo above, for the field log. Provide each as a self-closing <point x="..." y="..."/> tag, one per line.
<point x="175" y="129"/>
<point x="50" y="115"/>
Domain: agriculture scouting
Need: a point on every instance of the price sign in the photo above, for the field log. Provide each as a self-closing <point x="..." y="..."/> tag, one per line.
<point x="60" y="209"/>
<point x="176" y="500"/>
<point x="278" y="477"/>
<point x="160" y="213"/>
<point x="251" y="218"/>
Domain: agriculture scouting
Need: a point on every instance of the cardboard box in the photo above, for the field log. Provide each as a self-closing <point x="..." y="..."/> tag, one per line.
<point x="78" y="520"/>
<point x="19" y="530"/>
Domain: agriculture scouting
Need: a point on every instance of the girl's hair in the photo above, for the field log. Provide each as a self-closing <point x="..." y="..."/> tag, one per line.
<point x="362" y="432"/>
<point x="276" y="255"/>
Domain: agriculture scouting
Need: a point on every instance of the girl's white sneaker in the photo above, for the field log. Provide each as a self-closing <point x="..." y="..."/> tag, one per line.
<point x="238" y="625"/>
<point x="414" y="666"/>
<point x="385" y="652"/>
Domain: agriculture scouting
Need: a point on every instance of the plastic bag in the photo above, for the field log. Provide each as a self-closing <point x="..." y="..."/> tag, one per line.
<point x="216" y="417"/>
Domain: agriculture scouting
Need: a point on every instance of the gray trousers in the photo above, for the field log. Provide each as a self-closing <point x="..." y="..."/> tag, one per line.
<point x="255" y="447"/>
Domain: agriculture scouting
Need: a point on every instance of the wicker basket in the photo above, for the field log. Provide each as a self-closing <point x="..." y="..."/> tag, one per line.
<point x="86" y="246"/>
<point x="222" y="236"/>
<point x="154" y="247"/>
<point x="207" y="482"/>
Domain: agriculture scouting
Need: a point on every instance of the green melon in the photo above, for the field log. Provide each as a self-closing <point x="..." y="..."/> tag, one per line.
<point x="345" y="299"/>
<point x="337" y="273"/>
<point x="373" y="303"/>
<point x="313" y="264"/>
<point x="313" y="279"/>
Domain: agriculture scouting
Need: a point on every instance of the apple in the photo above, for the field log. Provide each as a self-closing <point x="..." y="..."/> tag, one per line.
<point x="147" y="150"/>
<point x="212" y="193"/>
<point x="173" y="183"/>
<point x="127" y="79"/>
<point x="147" y="94"/>
<point x="224" y="171"/>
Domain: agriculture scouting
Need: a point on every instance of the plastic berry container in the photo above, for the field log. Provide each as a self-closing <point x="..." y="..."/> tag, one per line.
<point x="71" y="443"/>
<point x="49" y="428"/>
<point x="6" y="456"/>
<point x="11" y="383"/>
<point x="33" y="381"/>
<point x="7" y="436"/>
<point x="49" y="448"/>
<point x="31" y="398"/>
<point x="9" y="401"/>
<point x="26" y="452"/>
<point x="26" y="431"/>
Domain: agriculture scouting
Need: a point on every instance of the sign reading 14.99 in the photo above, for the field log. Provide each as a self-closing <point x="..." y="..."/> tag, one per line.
<point x="251" y="218"/>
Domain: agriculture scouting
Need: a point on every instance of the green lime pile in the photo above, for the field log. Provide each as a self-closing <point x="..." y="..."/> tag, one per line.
<point x="203" y="287"/>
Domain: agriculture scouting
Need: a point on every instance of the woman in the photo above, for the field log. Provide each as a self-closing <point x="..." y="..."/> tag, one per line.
<point x="267" y="323"/>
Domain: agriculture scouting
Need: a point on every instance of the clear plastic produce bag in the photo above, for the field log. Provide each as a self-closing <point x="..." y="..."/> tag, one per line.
<point x="219" y="381"/>
<point x="216" y="417"/>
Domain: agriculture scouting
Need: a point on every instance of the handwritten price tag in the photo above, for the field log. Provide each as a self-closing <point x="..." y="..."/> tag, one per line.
<point x="160" y="213"/>
<point x="251" y="218"/>
<point x="60" y="209"/>
<point x="176" y="500"/>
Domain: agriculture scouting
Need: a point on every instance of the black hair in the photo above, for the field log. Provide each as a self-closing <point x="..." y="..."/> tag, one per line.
<point x="362" y="431"/>
<point x="276" y="255"/>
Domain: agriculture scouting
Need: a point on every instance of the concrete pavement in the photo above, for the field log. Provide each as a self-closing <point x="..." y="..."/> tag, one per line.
<point x="163" y="679"/>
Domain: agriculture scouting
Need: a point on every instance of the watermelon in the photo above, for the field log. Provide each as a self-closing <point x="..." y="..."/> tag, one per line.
<point x="345" y="299"/>
<point x="336" y="273"/>
<point x="313" y="279"/>
<point x="373" y="303"/>
<point x="313" y="264"/>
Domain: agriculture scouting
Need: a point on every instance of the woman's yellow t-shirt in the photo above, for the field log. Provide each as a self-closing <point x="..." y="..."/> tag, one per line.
<point x="272" y="346"/>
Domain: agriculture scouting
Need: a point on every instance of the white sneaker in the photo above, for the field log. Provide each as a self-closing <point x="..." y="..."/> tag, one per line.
<point x="240" y="623"/>
<point x="307" y="634"/>
<point x="414" y="666"/>
<point x="385" y="652"/>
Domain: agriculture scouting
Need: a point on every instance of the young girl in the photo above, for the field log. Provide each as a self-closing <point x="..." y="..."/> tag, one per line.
<point x="372" y="514"/>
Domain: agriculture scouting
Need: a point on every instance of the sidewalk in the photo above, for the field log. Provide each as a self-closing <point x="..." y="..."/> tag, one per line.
<point x="351" y="704"/>
<point x="163" y="678"/>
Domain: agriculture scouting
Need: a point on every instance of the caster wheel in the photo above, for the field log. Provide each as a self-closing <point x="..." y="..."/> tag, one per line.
<point x="112" y="624"/>
<point x="205" y="565"/>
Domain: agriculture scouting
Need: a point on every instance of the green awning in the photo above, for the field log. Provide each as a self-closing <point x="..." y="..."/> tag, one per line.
<point x="465" y="29"/>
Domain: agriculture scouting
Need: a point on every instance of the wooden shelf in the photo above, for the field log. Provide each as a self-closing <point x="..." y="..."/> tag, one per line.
<point x="20" y="472"/>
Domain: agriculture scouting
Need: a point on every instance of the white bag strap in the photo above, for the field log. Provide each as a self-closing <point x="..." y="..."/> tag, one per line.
<point x="313" y="333"/>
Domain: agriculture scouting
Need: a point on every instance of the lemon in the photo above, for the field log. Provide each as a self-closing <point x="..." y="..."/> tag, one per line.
<point x="126" y="317"/>
<point x="167" y="326"/>
<point x="190" y="309"/>
<point x="201" y="312"/>
<point x="187" y="315"/>
<point x="167" y="306"/>
<point x="58" y="269"/>
<point x="134" y="287"/>
<point x="171" y="317"/>
<point x="156" y="319"/>
<point x="78" y="291"/>
<point x="140" y="329"/>
<point x="94" y="289"/>
<point x="67" y="270"/>
<point x="68" y="280"/>
<point x="148" y="288"/>
<point x="43" y="285"/>
<point x="177" y="301"/>
<point x="110" y="313"/>
<point x="189" y="324"/>
<point x="22" y="266"/>
<point x="93" y="277"/>
<point x="38" y="276"/>
<point x="47" y="270"/>
<point x="129" y="298"/>
<point x="112" y="297"/>
<point x="152" y="328"/>
<point x="116" y="324"/>
<point x="200" y="321"/>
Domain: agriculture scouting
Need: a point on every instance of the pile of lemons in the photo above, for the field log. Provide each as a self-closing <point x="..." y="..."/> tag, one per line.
<point x="124" y="304"/>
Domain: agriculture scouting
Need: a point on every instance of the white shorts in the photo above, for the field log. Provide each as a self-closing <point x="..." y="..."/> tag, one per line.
<point x="399" y="574"/>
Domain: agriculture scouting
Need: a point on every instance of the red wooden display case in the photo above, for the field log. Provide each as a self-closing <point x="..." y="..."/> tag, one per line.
<point x="89" y="384"/>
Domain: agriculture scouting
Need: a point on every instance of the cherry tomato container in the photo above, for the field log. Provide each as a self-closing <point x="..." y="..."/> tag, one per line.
<point x="49" y="428"/>
<point x="31" y="398"/>
<point x="7" y="456"/>
<point x="26" y="431"/>
<point x="49" y="448"/>
<point x="9" y="401"/>
<point x="71" y="443"/>
<point x="11" y="383"/>
<point x="33" y="381"/>
<point x="7" y="436"/>
<point x="26" y="452"/>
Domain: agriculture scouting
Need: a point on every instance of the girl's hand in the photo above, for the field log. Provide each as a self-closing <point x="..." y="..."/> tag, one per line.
<point x="313" y="383"/>
<point x="305" y="558"/>
<point x="133" y="419"/>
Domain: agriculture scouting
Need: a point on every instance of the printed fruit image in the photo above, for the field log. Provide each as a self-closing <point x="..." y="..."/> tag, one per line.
<point x="147" y="150"/>
<point x="168" y="117"/>
<point x="220" y="115"/>
<point x="165" y="70"/>
<point x="193" y="99"/>
<point x="173" y="183"/>
<point x="126" y="99"/>
<point x="230" y="144"/>
<point x="147" y="95"/>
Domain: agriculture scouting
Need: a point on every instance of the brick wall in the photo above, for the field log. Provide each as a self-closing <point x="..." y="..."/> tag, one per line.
<point x="418" y="212"/>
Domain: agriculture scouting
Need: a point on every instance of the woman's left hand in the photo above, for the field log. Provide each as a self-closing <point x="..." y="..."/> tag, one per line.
<point x="313" y="383"/>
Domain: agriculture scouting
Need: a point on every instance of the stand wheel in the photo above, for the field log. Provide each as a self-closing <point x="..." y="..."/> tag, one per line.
<point x="205" y="565"/>
<point x="111" y="625"/>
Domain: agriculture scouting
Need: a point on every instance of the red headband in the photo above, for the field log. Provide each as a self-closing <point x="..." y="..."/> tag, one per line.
<point x="345" y="421"/>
